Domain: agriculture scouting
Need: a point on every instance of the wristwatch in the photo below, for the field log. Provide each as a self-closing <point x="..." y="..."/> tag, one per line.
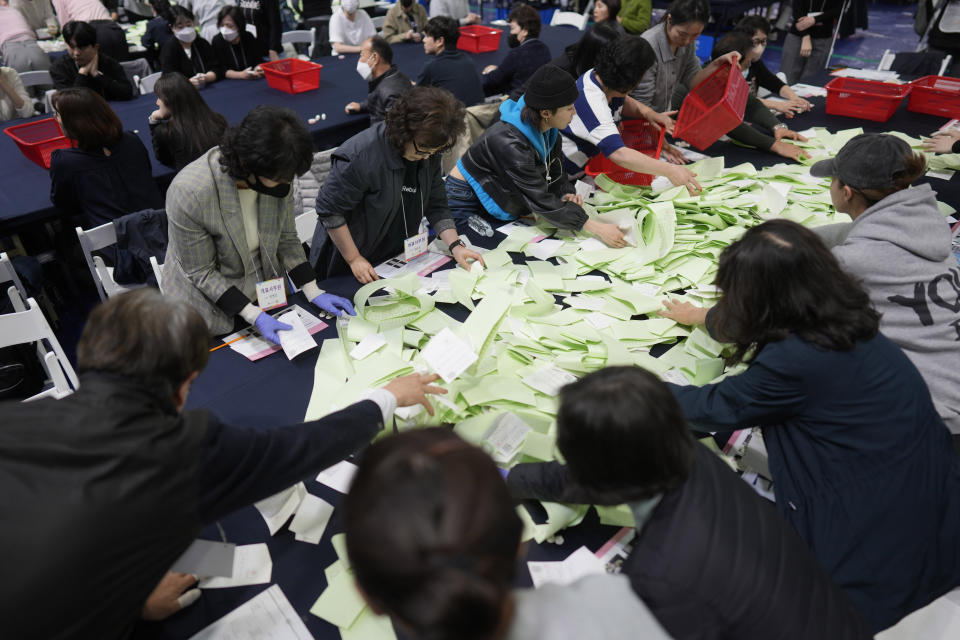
<point x="782" y="125"/>
<point x="456" y="243"/>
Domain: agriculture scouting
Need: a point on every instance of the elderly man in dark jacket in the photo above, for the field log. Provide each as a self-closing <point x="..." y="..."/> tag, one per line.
<point x="711" y="558"/>
<point x="385" y="81"/>
<point x="104" y="489"/>
<point x="516" y="167"/>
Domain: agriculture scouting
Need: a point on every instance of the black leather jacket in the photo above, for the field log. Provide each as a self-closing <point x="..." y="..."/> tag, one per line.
<point x="383" y="91"/>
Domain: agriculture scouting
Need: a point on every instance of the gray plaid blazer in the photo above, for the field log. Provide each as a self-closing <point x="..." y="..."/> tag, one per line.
<point x="208" y="252"/>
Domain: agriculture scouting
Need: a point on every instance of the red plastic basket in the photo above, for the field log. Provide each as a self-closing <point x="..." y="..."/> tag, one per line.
<point x="645" y="137"/>
<point x="866" y="99"/>
<point x="37" y="140"/>
<point x="936" y="95"/>
<point x="477" y="38"/>
<point x="713" y="107"/>
<point x="292" y="75"/>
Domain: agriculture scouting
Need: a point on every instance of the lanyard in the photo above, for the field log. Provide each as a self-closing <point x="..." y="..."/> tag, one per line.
<point x="242" y="53"/>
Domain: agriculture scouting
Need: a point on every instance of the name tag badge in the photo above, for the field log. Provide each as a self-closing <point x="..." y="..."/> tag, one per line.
<point x="415" y="246"/>
<point x="271" y="294"/>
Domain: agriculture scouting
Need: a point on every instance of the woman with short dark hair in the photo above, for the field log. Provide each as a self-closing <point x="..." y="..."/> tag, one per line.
<point x="382" y="182"/>
<point x="233" y="239"/>
<point x="237" y="49"/>
<point x="107" y="173"/>
<point x="189" y="54"/>
<point x="605" y="12"/>
<point x="433" y="539"/>
<point x="183" y="127"/>
<point x="863" y="466"/>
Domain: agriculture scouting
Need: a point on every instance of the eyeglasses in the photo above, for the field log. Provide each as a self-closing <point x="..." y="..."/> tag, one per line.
<point x="759" y="42"/>
<point x="426" y="153"/>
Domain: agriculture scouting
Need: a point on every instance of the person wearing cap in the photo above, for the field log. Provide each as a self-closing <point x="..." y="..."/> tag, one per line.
<point x="899" y="247"/>
<point x="516" y="166"/>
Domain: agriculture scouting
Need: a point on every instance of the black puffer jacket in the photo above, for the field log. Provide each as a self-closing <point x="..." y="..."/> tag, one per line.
<point x="714" y="561"/>
<point x="383" y="91"/>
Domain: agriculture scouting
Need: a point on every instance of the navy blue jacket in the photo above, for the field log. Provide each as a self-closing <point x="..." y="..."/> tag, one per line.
<point x="863" y="466"/>
<point x="521" y="63"/>
<point x="455" y="72"/>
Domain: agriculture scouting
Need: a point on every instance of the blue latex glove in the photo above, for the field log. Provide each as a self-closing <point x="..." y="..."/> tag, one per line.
<point x="268" y="327"/>
<point x="503" y="472"/>
<point x="333" y="304"/>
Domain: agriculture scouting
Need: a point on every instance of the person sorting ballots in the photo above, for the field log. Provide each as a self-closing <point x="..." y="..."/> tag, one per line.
<point x="104" y="489"/>
<point x="233" y="239"/>
<point x="516" y="167"/>
<point x="382" y="182"/>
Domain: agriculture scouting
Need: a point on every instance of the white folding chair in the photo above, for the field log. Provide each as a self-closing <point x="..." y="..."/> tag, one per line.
<point x="568" y="18"/>
<point x="378" y="22"/>
<point x="27" y="325"/>
<point x="36" y="78"/>
<point x="92" y="240"/>
<point x="147" y="82"/>
<point x="306" y="224"/>
<point x="48" y="105"/>
<point x="888" y="58"/>
<point x="301" y="36"/>
<point x="9" y="274"/>
<point x="136" y="69"/>
<point x="157" y="272"/>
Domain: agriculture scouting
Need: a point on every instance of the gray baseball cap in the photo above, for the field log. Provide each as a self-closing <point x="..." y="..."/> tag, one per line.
<point x="868" y="161"/>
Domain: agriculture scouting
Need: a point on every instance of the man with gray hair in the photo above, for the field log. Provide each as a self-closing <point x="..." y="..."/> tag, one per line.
<point x="105" y="489"/>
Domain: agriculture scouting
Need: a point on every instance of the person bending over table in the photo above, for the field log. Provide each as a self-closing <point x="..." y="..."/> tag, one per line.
<point x="236" y="48"/>
<point x="603" y="101"/>
<point x="18" y="42"/>
<point x="15" y="102"/>
<point x="863" y="467"/>
<point x="350" y="27"/>
<point x="673" y="40"/>
<point x="112" y="39"/>
<point x="385" y="82"/>
<point x="106" y="488"/>
<point x="756" y="113"/>
<point x="459" y="10"/>
<point x="38" y="14"/>
<point x="434" y="538"/>
<point x="405" y="20"/>
<point x="382" y="182"/>
<point x="84" y="65"/>
<point x="605" y="12"/>
<point x="899" y="247"/>
<point x="233" y="239"/>
<point x="183" y="127"/>
<point x="107" y="173"/>
<point x="625" y="441"/>
<point x="758" y="28"/>
<point x="527" y="53"/>
<point x="516" y="167"/>
<point x="449" y="69"/>
<point x="189" y="54"/>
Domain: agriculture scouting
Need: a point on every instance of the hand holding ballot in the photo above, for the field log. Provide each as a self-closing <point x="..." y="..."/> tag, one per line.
<point x="333" y="304"/>
<point x="269" y="326"/>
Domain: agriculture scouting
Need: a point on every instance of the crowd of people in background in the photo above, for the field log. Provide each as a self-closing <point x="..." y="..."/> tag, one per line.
<point x="851" y="364"/>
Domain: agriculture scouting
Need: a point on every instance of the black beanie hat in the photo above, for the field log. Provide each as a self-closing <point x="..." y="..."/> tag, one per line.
<point x="550" y="88"/>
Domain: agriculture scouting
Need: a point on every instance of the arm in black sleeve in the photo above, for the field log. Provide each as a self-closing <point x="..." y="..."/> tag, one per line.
<point x="242" y="466"/>
<point x="759" y="114"/>
<point x="159" y="136"/>
<point x="498" y="80"/>
<point x="751" y="137"/>
<point x="273" y="20"/>
<point x="800" y="9"/>
<point x="766" y="78"/>
<point x="549" y="481"/>
<point x="113" y="80"/>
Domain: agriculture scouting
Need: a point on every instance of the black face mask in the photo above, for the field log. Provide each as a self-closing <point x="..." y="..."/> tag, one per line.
<point x="279" y="191"/>
<point x="406" y="4"/>
<point x="513" y="41"/>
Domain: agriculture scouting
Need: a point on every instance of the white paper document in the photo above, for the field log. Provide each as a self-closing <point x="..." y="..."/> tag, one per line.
<point x="278" y="508"/>
<point x="549" y="380"/>
<point x="297" y="340"/>
<point x="505" y="437"/>
<point x="545" y="248"/>
<point x="311" y="519"/>
<point x="578" y="564"/>
<point x="597" y="320"/>
<point x="339" y="476"/>
<point x="207" y="558"/>
<point x="587" y="303"/>
<point x="251" y="565"/>
<point x="448" y="356"/>
<point x="368" y="345"/>
<point x="592" y="244"/>
<point x="268" y="616"/>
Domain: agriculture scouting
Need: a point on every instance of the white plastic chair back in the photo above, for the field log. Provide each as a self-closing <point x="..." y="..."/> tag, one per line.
<point x="36" y="78"/>
<point x="9" y="274"/>
<point x="300" y="36"/>
<point x="147" y="82"/>
<point x="97" y="238"/>
<point x="568" y="18"/>
<point x="157" y="272"/>
<point x="306" y="224"/>
<point x="28" y="325"/>
<point x="378" y="22"/>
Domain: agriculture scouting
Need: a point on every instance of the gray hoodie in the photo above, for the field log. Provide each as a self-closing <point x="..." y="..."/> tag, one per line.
<point x="900" y="249"/>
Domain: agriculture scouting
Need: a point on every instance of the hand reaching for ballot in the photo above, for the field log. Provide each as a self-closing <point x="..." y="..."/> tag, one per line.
<point x="684" y="312"/>
<point x="172" y="594"/>
<point x="610" y="234"/>
<point x="413" y="389"/>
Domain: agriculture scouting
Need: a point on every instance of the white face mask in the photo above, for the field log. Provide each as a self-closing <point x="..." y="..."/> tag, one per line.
<point x="228" y="33"/>
<point x="187" y="34"/>
<point x="350" y="6"/>
<point x="364" y="70"/>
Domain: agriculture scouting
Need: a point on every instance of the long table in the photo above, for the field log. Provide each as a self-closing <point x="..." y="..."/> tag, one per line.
<point x="25" y="187"/>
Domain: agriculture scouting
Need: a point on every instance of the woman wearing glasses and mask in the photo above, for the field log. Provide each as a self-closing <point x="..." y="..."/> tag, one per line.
<point x="382" y="182"/>
<point x="233" y="240"/>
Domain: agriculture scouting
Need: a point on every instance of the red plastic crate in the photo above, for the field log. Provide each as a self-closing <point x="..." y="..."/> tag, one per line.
<point x="936" y="95"/>
<point x="645" y="137"/>
<point x="292" y="75"/>
<point x="713" y="107"/>
<point x="477" y="38"/>
<point x="866" y="99"/>
<point x="38" y="139"/>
